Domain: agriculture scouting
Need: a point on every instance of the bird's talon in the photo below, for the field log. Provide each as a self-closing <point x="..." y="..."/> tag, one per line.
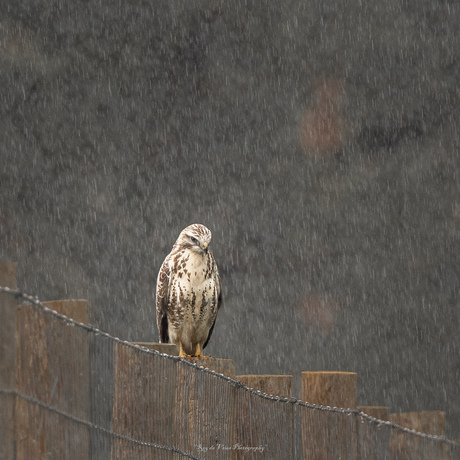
<point x="200" y="356"/>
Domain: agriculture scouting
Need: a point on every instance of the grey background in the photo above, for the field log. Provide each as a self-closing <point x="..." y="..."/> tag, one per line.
<point x="318" y="141"/>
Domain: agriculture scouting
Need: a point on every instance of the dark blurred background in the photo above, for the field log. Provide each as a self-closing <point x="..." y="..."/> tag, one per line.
<point x="317" y="140"/>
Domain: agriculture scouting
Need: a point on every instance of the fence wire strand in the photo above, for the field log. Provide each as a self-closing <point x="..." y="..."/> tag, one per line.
<point x="182" y="407"/>
<point x="94" y="427"/>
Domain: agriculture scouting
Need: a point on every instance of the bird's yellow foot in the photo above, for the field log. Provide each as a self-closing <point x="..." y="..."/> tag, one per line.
<point x="198" y="353"/>
<point x="182" y="353"/>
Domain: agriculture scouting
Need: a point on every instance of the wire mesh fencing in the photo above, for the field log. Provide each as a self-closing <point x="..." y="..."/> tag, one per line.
<point x="77" y="392"/>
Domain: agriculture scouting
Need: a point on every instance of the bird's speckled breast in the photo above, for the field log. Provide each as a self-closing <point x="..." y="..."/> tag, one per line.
<point x="194" y="295"/>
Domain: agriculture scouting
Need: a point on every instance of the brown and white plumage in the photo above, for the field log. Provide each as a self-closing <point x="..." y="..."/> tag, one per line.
<point x="188" y="292"/>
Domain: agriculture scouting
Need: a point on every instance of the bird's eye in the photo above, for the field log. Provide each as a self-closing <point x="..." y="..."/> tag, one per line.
<point x="193" y="240"/>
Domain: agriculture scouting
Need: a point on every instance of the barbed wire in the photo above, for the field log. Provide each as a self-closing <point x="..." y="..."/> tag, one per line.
<point x="95" y="427"/>
<point x="236" y="383"/>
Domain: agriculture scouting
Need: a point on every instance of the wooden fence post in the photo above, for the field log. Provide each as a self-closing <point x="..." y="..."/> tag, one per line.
<point x="155" y="399"/>
<point x="251" y="428"/>
<point x="373" y="443"/>
<point x="202" y="414"/>
<point x="219" y="365"/>
<point x="327" y="434"/>
<point x="380" y="412"/>
<point x="429" y="422"/>
<point x="276" y="385"/>
<point x="52" y="366"/>
<point x="143" y="401"/>
<point x="335" y="389"/>
<point x="166" y="348"/>
<point x="8" y="360"/>
<point x="140" y="411"/>
<point x="77" y="309"/>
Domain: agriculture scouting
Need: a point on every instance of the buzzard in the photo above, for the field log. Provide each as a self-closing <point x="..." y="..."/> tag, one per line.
<point x="188" y="292"/>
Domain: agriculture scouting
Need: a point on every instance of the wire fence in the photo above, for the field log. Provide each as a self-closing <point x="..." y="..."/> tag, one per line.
<point x="79" y="393"/>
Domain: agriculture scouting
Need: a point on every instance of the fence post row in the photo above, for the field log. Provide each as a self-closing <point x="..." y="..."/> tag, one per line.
<point x="163" y="401"/>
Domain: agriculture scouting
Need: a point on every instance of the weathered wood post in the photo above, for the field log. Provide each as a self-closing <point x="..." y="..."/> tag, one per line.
<point x="380" y="412"/>
<point x="327" y="434"/>
<point x="373" y="442"/>
<point x="77" y="309"/>
<point x="264" y="428"/>
<point x="276" y="385"/>
<point x="430" y="422"/>
<point x="52" y="366"/>
<point x="8" y="359"/>
<point x="167" y="348"/>
<point x="164" y="401"/>
<point x="143" y="398"/>
<point x="69" y="374"/>
<point x="203" y="408"/>
<point x="403" y="443"/>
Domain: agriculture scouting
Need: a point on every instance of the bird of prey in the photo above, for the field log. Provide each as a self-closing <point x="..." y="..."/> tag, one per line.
<point x="188" y="292"/>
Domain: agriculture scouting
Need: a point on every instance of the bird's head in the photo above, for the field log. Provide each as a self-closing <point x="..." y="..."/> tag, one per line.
<point x="196" y="237"/>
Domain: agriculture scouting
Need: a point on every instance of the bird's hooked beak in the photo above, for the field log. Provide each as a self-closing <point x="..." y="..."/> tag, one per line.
<point x="204" y="245"/>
